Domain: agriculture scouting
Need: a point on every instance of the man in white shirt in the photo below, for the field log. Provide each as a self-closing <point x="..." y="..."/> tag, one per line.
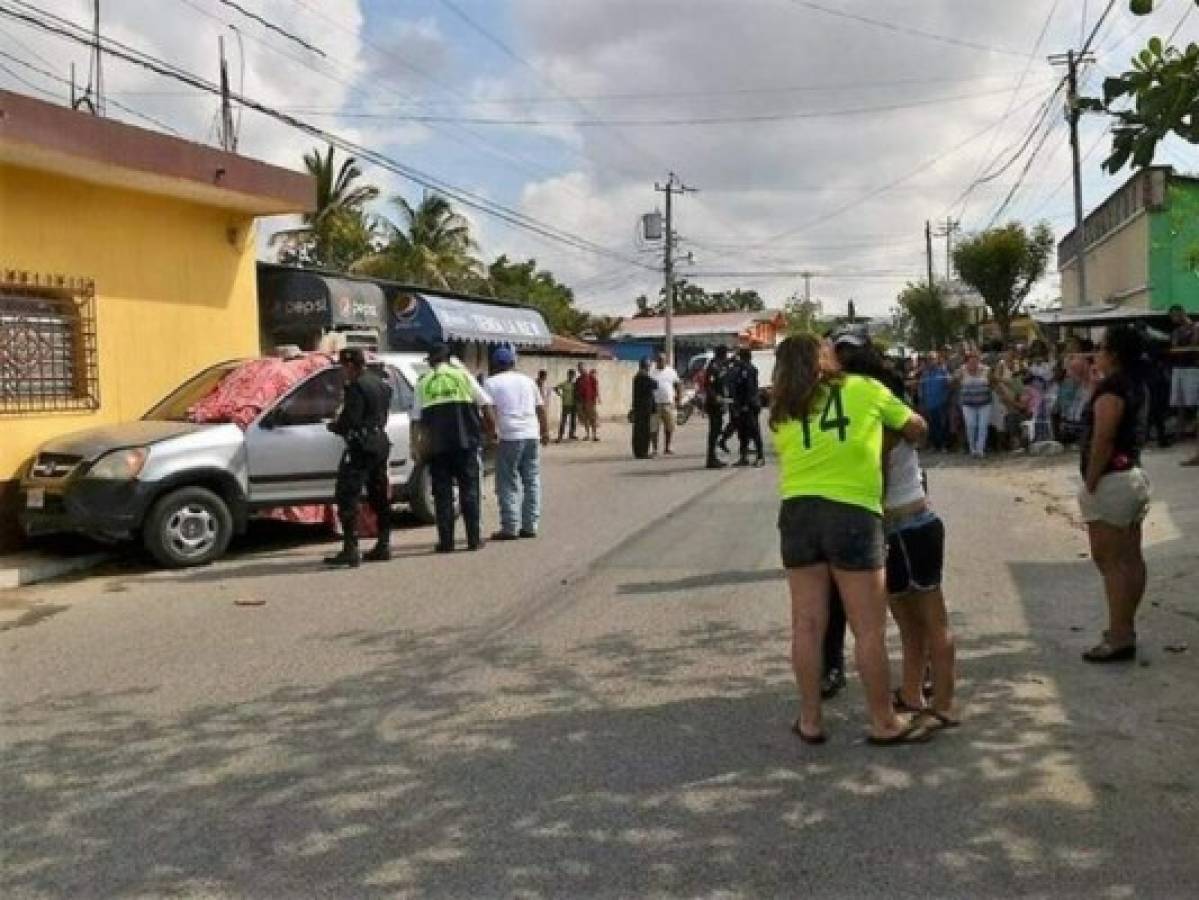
<point x="523" y="430"/>
<point x="666" y="399"/>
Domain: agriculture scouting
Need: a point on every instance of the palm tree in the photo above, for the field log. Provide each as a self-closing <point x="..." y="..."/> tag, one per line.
<point x="603" y="328"/>
<point x="431" y="245"/>
<point x="338" y="230"/>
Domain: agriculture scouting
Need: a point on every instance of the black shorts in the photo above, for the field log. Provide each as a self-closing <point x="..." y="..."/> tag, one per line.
<point x="916" y="555"/>
<point x="813" y="530"/>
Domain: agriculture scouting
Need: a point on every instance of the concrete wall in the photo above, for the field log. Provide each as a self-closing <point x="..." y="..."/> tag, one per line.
<point x="1117" y="268"/>
<point x="173" y="294"/>
<point x="615" y="379"/>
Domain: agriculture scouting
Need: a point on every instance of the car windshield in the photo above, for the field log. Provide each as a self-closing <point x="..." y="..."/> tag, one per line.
<point x="178" y="403"/>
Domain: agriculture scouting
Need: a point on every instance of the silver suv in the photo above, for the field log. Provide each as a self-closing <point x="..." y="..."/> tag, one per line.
<point x="187" y="488"/>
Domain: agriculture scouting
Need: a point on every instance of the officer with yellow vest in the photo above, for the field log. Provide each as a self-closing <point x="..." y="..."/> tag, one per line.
<point x="452" y="413"/>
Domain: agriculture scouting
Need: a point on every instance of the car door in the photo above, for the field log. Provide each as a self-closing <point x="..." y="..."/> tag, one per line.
<point x="399" y="426"/>
<point x="292" y="456"/>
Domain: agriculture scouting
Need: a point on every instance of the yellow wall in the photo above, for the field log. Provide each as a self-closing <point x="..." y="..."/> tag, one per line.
<point x="1117" y="267"/>
<point x="173" y="294"/>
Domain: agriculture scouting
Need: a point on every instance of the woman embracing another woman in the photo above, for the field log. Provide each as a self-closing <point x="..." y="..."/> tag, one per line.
<point x="828" y="431"/>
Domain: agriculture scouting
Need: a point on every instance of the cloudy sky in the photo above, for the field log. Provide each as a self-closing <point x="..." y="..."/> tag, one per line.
<point x="820" y="135"/>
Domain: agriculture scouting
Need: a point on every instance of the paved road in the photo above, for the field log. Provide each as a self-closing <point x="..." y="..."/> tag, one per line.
<point x="601" y="712"/>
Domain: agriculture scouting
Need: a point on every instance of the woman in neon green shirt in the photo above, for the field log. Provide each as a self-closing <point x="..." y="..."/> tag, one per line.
<point x="828" y="432"/>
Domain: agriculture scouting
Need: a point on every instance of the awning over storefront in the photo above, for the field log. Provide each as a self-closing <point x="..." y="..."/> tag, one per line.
<point x="297" y="298"/>
<point x="1103" y="314"/>
<point x="425" y="319"/>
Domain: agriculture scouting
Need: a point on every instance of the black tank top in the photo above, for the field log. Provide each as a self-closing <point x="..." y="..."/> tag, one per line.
<point x="1126" y="450"/>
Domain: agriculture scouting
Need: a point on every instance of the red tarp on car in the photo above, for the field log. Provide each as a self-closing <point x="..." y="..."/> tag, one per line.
<point x="252" y="387"/>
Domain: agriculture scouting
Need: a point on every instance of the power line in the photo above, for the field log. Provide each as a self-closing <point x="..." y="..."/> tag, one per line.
<point x="822" y="88"/>
<point x="271" y="26"/>
<point x="1032" y="158"/>
<point x="905" y="29"/>
<point x="762" y="118"/>
<point x="463" y="196"/>
<point x="1177" y="28"/>
<point x="66" y="81"/>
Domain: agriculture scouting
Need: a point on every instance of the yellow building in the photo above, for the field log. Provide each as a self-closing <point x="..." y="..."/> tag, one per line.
<point x="127" y="263"/>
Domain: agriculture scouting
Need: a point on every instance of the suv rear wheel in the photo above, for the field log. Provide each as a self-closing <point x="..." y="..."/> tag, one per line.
<point x="190" y="526"/>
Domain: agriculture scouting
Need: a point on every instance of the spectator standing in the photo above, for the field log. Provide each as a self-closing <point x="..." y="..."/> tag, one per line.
<point x="643" y="411"/>
<point x="1114" y="499"/>
<point x="544" y="389"/>
<point x="587" y="399"/>
<point x="523" y="431"/>
<point x="566" y="394"/>
<point x="747" y="405"/>
<point x="975" y="393"/>
<point x="667" y="395"/>
<point x="451" y="413"/>
<point x="1184" y="380"/>
<point x="828" y="429"/>
<point x="934" y="388"/>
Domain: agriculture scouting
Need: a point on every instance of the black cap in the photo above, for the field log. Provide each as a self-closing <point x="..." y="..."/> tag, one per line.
<point x="353" y="356"/>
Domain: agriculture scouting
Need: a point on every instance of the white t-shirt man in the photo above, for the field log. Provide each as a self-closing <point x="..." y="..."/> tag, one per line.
<point x="515" y="397"/>
<point x="667" y="380"/>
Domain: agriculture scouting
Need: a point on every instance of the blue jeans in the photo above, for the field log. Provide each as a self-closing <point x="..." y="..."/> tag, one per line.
<point x="978" y="422"/>
<point x="517" y="472"/>
<point x="938" y="425"/>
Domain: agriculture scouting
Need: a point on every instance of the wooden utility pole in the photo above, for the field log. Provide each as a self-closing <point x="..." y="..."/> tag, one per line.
<point x="1072" y="61"/>
<point x="673" y="186"/>
<point x="928" y="246"/>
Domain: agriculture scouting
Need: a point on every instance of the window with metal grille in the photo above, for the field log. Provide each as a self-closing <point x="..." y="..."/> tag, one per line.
<point x="47" y="344"/>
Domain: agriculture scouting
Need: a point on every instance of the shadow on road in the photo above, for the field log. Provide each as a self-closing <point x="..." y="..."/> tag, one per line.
<point x="458" y="767"/>
<point x="699" y="582"/>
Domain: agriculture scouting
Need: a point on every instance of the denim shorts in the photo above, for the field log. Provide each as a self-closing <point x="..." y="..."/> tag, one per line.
<point x="813" y="530"/>
<point x="916" y="554"/>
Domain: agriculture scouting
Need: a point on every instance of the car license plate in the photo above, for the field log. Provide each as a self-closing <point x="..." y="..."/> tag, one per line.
<point x="36" y="498"/>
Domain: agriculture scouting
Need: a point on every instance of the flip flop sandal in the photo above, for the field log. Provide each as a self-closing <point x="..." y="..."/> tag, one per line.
<point x="901" y="705"/>
<point x="912" y="733"/>
<point x="813" y="739"/>
<point x="931" y="721"/>
<point x="1106" y="653"/>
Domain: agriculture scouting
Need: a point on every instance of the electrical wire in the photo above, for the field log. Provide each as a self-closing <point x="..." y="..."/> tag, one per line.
<point x="905" y="29"/>
<point x="66" y="81"/>
<point x="467" y="198"/>
<point x="763" y="118"/>
<point x="1032" y="158"/>
<point x="1177" y="28"/>
<point x="271" y="26"/>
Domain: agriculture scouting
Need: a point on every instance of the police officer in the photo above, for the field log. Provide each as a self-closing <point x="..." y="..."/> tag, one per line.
<point x="747" y="403"/>
<point x="716" y="400"/>
<point x="362" y="422"/>
<point x="452" y="412"/>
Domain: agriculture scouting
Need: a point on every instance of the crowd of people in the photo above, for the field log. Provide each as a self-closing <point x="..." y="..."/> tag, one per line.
<point x="980" y="400"/>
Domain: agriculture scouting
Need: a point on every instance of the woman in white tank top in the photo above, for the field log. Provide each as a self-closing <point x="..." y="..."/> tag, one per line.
<point x="915" y="562"/>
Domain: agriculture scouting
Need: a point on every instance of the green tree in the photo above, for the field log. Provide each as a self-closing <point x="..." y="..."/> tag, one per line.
<point x="538" y="288"/>
<point x="603" y="328"/>
<point x="1157" y="97"/>
<point x="930" y="322"/>
<point x="339" y="230"/>
<point x="431" y="245"/>
<point x="691" y="299"/>
<point x="1003" y="265"/>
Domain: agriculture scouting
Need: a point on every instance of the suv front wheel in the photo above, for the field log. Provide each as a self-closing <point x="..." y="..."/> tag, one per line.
<point x="190" y="526"/>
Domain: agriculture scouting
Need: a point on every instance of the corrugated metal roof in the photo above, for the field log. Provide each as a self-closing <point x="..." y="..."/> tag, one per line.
<point x="710" y="323"/>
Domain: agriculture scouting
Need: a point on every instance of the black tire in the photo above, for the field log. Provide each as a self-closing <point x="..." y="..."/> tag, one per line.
<point x="188" y="527"/>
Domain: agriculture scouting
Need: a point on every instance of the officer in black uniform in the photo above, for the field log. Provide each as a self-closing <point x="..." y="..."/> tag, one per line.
<point x="747" y="406"/>
<point x="362" y="421"/>
<point x="716" y="400"/>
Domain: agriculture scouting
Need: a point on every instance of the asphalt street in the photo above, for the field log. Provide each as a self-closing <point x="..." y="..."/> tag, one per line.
<point x="601" y="712"/>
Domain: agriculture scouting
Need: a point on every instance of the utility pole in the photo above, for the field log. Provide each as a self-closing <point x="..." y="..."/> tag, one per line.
<point x="97" y="60"/>
<point x="1072" y="61"/>
<point x="673" y="186"/>
<point x="228" y="137"/>
<point x="928" y="246"/>
<point x="947" y="231"/>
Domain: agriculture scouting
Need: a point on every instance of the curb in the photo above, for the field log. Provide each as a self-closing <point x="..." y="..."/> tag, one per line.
<point x="23" y="569"/>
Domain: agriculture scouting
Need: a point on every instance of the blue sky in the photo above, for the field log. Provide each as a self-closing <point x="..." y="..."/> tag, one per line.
<point x="821" y="135"/>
